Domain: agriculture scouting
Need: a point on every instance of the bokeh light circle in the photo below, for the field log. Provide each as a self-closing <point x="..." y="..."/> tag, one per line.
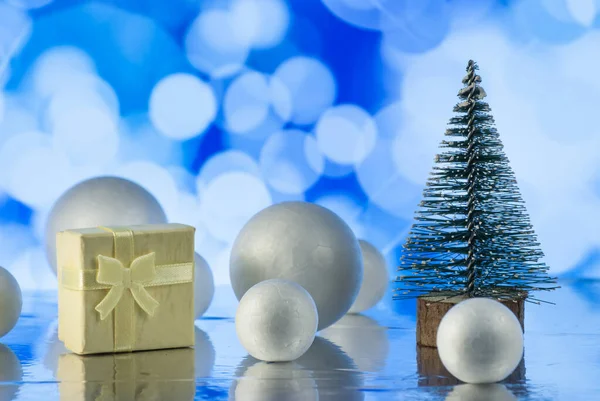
<point x="311" y="86"/>
<point x="246" y="102"/>
<point x="384" y="185"/>
<point x="263" y="23"/>
<point x="346" y="134"/>
<point x="291" y="162"/>
<point x="87" y="135"/>
<point x="60" y="67"/>
<point x="182" y="106"/>
<point x="225" y="162"/>
<point x="229" y="201"/>
<point x="212" y="45"/>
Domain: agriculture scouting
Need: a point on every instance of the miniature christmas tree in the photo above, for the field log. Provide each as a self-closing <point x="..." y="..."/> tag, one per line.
<point x="472" y="236"/>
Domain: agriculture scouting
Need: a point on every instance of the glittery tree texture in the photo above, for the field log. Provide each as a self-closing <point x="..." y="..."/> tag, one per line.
<point x="472" y="234"/>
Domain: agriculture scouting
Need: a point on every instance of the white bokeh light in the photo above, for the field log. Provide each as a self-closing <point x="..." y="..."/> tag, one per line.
<point x="87" y="135"/>
<point x="263" y="23"/>
<point x="311" y="87"/>
<point x="156" y="180"/>
<point x="346" y="134"/>
<point x="182" y="106"/>
<point x="1" y="107"/>
<point x="213" y="47"/>
<point x="39" y="175"/>
<point x="361" y="13"/>
<point x="385" y="187"/>
<point x="84" y="90"/>
<point x="60" y="67"/>
<point x="346" y="207"/>
<point x="229" y="201"/>
<point x="291" y="162"/>
<point x="583" y="11"/>
<point x="225" y="162"/>
<point x="246" y="102"/>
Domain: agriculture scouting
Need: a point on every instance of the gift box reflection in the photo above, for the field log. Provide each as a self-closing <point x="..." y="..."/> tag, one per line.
<point x="149" y="375"/>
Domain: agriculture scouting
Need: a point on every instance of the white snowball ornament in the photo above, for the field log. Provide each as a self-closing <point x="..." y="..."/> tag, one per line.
<point x="101" y="201"/>
<point x="480" y="341"/>
<point x="276" y="321"/>
<point x="204" y="286"/>
<point x="375" y="278"/>
<point x="304" y="243"/>
<point x="11" y="301"/>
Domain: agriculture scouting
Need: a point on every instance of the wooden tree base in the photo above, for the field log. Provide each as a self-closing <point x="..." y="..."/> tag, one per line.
<point x="431" y="310"/>
<point x="433" y="373"/>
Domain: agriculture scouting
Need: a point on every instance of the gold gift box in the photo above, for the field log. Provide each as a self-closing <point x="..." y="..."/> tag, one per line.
<point x="143" y="376"/>
<point x="125" y="289"/>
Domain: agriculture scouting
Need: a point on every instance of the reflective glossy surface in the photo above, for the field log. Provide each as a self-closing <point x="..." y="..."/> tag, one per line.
<point x="362" y="357"/>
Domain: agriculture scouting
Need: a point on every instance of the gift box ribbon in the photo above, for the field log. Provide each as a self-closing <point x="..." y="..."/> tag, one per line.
<point x="121" y="272"/>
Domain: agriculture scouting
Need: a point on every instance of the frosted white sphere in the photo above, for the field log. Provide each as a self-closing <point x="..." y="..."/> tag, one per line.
<point x="375" y="278"/>
<point x="480" y="341"/>
<point x="204" y="286"/>
<point x="477" y="392"/>
<point x="304" y="243"/>
<point x="10" y="301"/>
<point x="100" y="201"/>
<point x="276" y="321"/>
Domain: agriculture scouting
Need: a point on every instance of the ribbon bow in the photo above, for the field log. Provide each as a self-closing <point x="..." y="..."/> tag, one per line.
<point x="112" y="272"/>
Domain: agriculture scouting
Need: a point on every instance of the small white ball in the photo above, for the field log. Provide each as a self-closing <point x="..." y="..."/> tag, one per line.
<point x="101" y="201"/>
<point x="375" y="278"/>
<point x="276" y="321"/>
<point x="480" y="341"/>
<point x="204" y="286"/>
<point x="10" y="301"/>
<point x="304" y="243"/>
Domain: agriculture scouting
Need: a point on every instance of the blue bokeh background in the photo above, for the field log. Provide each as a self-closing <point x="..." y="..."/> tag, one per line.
<point x="223" y="107"/>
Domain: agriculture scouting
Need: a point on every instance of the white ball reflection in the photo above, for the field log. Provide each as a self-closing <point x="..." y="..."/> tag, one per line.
<point x="311" y="86"/>
<point x="11" y="373"/>
<point x="274" y="382"/>
<point x="229" y="201"/>
<point x="323" y="373"/>
<point x="212" y="45"/>
<point x="263" y="23"/>
<point x="291" y="162"/>
<point x="476" y="392"/>
<point x="204" y="354"/>
<point x="182" y="106"/>
<point x="346" y="134"/>
<point x="363" y="339"/>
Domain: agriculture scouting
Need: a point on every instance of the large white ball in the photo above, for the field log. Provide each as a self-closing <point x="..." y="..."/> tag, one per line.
<point x="276" y="321"/>
<point x="304" y="243"/>
<point x="375" y="278"/>
<point x="204" y="286"/>
<point x="101" y="201"/>
<point x="10" y="301"/>
<point x="480" y="341"/>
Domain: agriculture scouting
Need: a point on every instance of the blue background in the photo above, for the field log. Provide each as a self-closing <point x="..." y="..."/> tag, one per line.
<point x="221" y="108"/>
